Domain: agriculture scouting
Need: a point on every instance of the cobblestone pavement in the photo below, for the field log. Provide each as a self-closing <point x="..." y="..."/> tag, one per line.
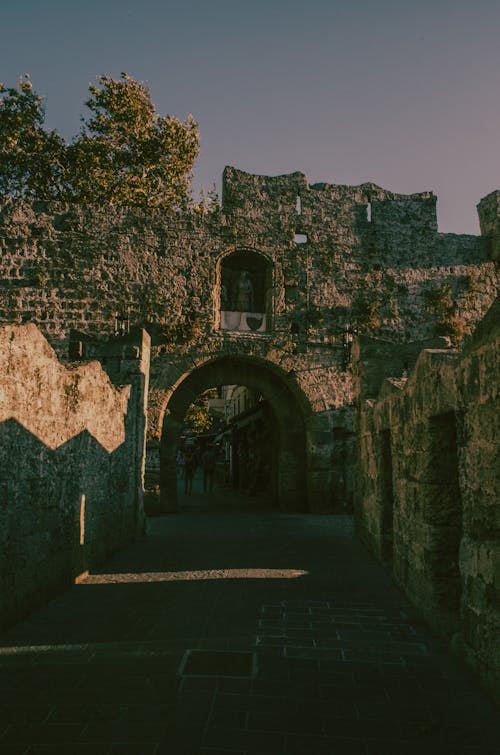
<point x="234" y="629"/>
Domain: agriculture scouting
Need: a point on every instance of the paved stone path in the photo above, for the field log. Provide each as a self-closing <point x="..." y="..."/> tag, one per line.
<point x="234" y="629"/>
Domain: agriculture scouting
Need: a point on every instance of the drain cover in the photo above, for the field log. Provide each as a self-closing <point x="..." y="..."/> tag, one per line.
<point x="217" y="663"/>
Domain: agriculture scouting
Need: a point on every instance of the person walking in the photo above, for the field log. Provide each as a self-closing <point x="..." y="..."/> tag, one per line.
<point x="190" y="464"/>
<point x="208" y="461"/>
<point x="180" y="463"/>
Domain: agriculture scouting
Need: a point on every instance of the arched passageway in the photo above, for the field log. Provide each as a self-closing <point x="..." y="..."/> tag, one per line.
<point x="287" y="404"/>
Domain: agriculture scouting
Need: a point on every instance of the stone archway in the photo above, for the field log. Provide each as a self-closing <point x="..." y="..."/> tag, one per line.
<point x="289" y="408"/>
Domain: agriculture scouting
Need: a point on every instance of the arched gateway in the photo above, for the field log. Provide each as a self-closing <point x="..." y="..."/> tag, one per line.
<point x="264" y="291"/>
<point x="289" y="408"/>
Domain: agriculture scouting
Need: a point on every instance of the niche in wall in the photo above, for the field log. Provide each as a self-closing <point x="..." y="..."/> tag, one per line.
<point x="245" y="282"/>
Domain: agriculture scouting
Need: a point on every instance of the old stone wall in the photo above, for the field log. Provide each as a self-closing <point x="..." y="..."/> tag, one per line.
<point x="427" y="488"/>
<point x="71" y="464"/>
<point x="489" y="218"/>
<point x="337" y="258"/>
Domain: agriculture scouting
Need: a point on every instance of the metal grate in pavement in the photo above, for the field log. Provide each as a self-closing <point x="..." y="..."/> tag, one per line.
<point x="218" y="663"/>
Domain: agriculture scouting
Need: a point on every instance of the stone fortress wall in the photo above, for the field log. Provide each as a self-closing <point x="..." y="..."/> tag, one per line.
<point x="337" y="259"/>
<point x="67" y="265"/>
<point x="71" y="463"/>
<point x="341" y="267"/>
<point x="427" y="484"/>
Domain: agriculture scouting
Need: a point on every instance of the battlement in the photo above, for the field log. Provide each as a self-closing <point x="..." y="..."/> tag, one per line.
<point x="292" y="198"/>
<point x="239" y="186"/>
<point x="380" y="227"/>
<point x="489" y="220"/>
<point x="320" y="258"/>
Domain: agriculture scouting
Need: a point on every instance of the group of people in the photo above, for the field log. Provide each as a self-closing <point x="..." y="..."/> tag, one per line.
<point x="190" y="459"/>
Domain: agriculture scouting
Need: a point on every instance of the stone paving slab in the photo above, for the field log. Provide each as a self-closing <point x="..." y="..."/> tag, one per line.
<point x="340" y="663"/>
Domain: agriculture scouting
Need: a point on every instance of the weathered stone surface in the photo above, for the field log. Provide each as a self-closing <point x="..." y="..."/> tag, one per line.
<point x="388" y="274"/>
<point x="489" y="216"/>
<point x="31" y="378"/>
<point x="71" y="465"/>
<point x="442" y="425"/>
<point x="332" y="260"/>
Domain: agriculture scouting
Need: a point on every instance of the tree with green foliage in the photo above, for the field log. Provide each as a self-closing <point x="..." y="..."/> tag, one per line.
<point x="198" y="418"/>
<point x="126" y="154"/>
<point x="32" y="160"/>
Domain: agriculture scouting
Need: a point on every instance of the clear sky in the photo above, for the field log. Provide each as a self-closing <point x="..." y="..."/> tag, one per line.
<point x="405" y="93"/>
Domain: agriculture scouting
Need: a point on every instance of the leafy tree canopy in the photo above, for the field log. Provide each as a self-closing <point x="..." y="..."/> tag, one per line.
<point x="198" y="417"/>
<point x="31" y="159"/>
<point x="125" y="154"/>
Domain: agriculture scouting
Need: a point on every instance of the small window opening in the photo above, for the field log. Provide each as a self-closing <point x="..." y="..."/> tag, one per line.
<point x="369" y="212"/>
<point x="298" y="205"/>
<point x="300" y="238"/>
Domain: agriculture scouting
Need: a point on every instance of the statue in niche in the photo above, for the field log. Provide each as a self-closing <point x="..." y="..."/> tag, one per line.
<point x="243" y="293"/>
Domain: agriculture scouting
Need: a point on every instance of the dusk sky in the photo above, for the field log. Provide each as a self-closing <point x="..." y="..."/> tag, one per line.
<point x="403" y="93"/>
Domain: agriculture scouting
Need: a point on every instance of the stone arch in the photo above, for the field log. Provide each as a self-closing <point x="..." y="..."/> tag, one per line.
<point x="289" y="408"/>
